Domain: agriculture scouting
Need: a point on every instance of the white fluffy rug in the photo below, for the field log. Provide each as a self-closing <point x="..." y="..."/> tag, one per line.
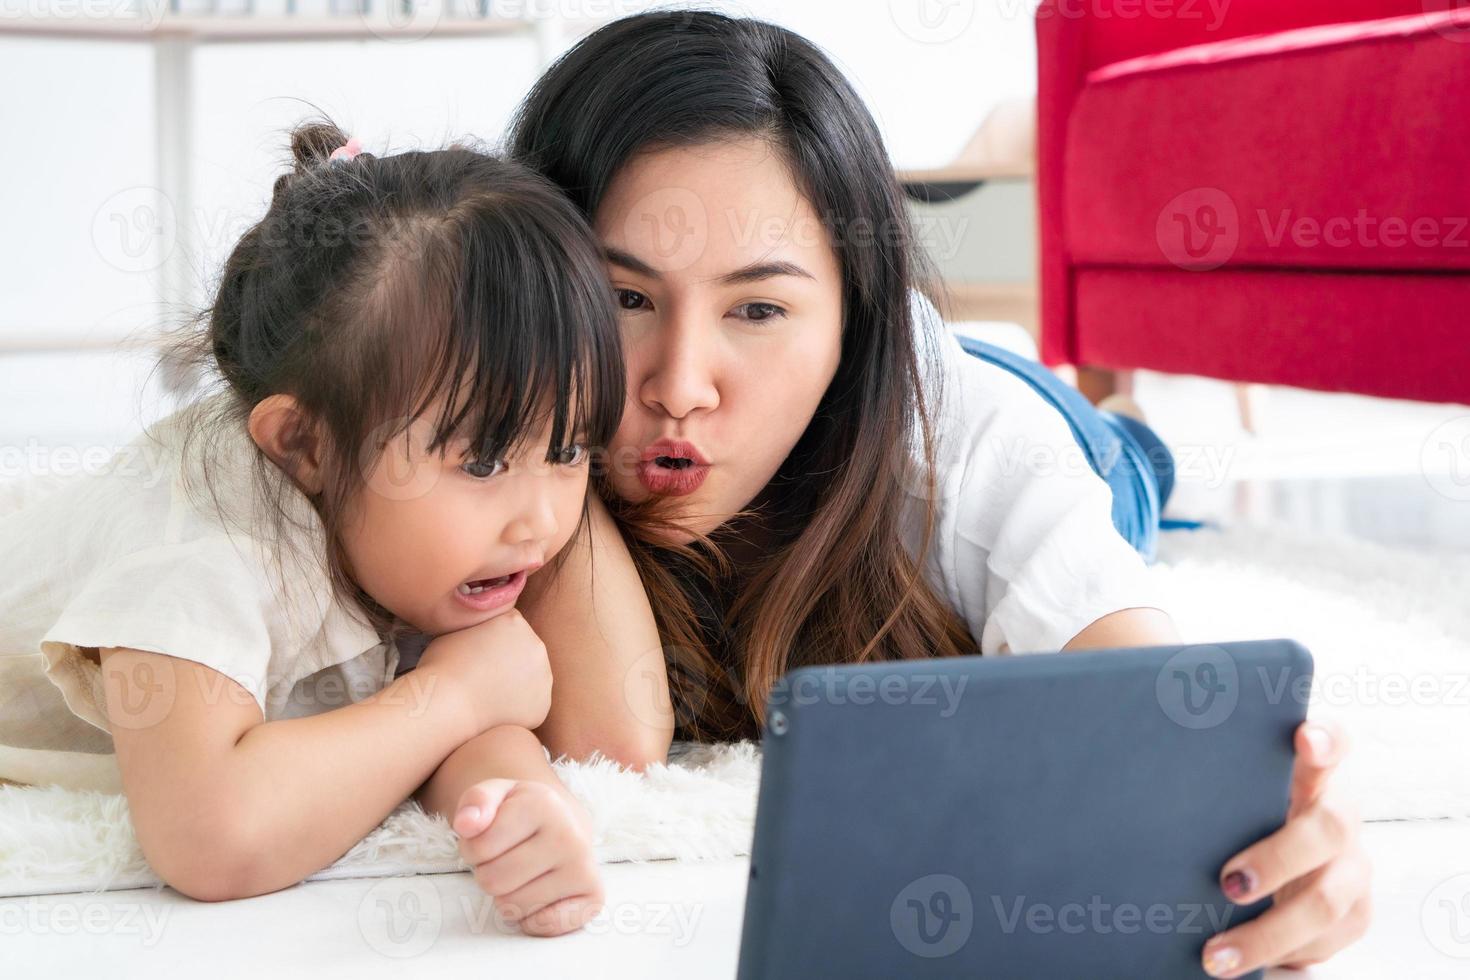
<point x="1390" y="632"/>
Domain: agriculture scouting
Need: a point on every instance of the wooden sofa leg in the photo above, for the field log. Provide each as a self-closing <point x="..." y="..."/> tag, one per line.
<point x="1099" y="383"/>
<point x="1251" y="400"/>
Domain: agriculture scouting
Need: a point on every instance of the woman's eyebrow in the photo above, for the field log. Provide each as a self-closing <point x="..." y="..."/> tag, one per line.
<point x="764" y="270"/>
<point x="754" y="272"/>
<point x="630" y="262"/>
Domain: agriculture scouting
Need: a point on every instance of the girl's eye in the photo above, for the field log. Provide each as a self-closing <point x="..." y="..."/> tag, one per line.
<point x="481" y="470"/>
<point x="759" y="312"/>
<point x="573" y="455"/>
<point x="630" y="299"/>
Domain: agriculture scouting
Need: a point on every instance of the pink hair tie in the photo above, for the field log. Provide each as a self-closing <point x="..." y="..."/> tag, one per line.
<point x="347" y="151"/>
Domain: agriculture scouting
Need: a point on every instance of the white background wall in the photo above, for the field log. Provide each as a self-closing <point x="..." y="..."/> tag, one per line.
<point x="76" y="120"/>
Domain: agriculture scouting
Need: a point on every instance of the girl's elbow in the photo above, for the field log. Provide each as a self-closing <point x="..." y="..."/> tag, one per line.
<point x="636" y="753"/>
<point x="219" y="866"/>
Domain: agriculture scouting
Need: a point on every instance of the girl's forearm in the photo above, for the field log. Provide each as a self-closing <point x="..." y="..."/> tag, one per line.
<point x="504" y="752"/>
<point x="317" y="785"/>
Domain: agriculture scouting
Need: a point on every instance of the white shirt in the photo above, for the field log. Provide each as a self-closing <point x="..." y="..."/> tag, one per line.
<point x="1024" y="548"/>
<point x="137" y="556"/>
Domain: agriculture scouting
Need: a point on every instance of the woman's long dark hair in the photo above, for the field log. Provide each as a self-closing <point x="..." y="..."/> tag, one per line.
<point x="839" y="586"/>
<point x="372" y="288"/>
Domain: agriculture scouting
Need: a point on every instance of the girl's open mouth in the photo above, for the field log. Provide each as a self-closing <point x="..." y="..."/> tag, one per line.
<point x="491" y="593"/>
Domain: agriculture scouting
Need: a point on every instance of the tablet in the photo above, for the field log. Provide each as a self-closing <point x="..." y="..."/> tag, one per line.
<point x="1038" y="817"/>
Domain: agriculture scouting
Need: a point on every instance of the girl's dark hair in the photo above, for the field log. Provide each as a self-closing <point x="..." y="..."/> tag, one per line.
<point x="839" y="586"/>
<point x="376" y="286"/>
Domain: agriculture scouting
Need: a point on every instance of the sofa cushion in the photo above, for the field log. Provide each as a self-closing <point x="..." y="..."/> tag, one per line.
<point x="1336" y="147"/>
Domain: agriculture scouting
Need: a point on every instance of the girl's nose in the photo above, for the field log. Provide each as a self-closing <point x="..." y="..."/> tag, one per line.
<point x="535" y="519"/>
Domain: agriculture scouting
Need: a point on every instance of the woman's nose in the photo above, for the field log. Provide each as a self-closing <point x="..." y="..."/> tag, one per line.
<point x="679" y="371"/>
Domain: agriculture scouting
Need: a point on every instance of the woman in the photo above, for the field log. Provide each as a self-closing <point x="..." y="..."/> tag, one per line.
<point x="806" y="470"/>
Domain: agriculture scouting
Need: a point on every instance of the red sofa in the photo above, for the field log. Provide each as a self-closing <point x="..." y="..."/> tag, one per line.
<point x="1258" y="190"/>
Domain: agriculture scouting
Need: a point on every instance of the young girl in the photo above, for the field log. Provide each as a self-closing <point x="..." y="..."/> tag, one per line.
<point x="413" y="354"/>
<point x="808" y="471"/>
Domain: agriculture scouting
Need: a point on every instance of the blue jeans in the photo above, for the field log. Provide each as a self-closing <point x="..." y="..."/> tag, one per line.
<point x="1123" y="451"/>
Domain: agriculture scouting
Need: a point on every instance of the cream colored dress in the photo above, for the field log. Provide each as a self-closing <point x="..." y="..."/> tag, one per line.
<point x="140" y="555"/>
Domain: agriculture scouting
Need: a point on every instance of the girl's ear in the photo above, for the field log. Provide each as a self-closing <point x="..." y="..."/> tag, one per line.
<point x="284" y="432"/>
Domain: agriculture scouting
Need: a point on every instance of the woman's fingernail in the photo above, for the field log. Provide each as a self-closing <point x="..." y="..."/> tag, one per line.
<point x="1320" y="741"/>
<point x="470" y="813"/>
<point x="1222" y="961"/>
<point x="1238" y="884"/>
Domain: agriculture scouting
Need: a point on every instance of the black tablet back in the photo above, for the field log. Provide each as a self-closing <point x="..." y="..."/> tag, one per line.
<point x="1032" y="817"/>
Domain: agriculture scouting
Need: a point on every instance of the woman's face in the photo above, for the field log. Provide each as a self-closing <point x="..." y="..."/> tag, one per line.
<point x="731" y="304"/>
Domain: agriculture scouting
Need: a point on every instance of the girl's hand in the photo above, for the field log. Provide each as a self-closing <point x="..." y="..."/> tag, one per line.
<point x="498" y="670"/>
<point x="531" y="850"/>
<point x="1314" y="866"/>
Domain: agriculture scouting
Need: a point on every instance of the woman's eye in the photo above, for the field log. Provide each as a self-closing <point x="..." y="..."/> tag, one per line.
<point x="573" y="455"/>
<point x="759" y="312"/>
<point x="630" y="299"/>
<point x="482" y="470"/>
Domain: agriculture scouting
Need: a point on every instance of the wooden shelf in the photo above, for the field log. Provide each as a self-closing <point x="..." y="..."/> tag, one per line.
<point x="1010" y="302"/>
<point x="226" y="28"/>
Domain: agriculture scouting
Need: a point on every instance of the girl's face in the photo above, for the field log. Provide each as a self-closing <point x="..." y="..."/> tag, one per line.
<point x="731" y="300"/>
<point x="423" y="528"/>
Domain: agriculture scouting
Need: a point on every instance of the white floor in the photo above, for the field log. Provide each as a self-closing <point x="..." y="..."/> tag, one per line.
<point x="1375" y="469"/>
<point x="663" y="919"/>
